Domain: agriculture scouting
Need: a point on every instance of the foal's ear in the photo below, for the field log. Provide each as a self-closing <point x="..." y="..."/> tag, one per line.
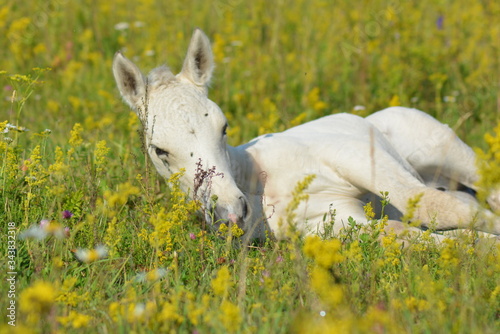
<point x="129" y="79"/>
<point x="199" y="63"/>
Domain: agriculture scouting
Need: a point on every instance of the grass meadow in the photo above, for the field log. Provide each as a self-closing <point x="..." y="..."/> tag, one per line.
<point x="93" y="241"/>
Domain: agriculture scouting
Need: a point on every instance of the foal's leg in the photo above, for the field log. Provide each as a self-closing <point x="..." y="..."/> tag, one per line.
<point x="436" y="209"/>
<point x="443" y="211"/>
<point x="431" y="147"/>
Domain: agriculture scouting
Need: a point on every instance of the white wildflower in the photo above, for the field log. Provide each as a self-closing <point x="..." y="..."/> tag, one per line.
<point x="122" y="26"/>
<point x="91" y="255"/>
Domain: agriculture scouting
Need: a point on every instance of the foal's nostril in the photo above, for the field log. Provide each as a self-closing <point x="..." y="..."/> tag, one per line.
<point x="244" y="211"/>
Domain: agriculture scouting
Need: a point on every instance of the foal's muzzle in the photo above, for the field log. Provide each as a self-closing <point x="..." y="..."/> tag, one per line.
<point x="237" y="213"/>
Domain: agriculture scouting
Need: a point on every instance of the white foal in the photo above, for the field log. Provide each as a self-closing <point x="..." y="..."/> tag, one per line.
<point x="402" y="151"/>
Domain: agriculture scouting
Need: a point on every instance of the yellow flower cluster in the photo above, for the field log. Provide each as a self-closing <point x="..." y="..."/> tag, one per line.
<point x="9" y="160"/>
<point x="230" y="316"/>
<point x="132" y="312"/>
<point x="68" y="296"/>
<point x="325" y="253"/>
<point x="76" y="139"/>
<point x="234" y="229"/>
<point x="36" y="172"/>
<point x="376" y="55"/>
<point x="116" y="200"/>
<point x="449" y="257"/>
<point x="37" y="300"/>
<point x="488" y="162"/>
<point x="58" y="168"/>
<point x="222" y="282"/>
<point x="299" y="195"/>
<point x="75" y="320"/>
<point x="313" y="100"/>
<point x="100" y="153"/>
<point x="165" y="222"/>
<point x="112" y="237"/>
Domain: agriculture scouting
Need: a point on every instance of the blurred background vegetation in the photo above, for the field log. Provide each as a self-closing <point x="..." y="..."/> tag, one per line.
<point x="279" y="63"/>
<point x="78" y="178"/>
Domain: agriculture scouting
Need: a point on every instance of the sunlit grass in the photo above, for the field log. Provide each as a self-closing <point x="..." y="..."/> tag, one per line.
<point x="105" y="245"/>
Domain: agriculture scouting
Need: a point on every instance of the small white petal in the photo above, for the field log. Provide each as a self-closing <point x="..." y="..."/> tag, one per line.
<point x="102" y="251"/>
<point x="122" y="26"/>
<point x="140" y="277"/>
<point x="34" y="232"/>
<point x="82" y="255"/>
<point x="139" y="309"/>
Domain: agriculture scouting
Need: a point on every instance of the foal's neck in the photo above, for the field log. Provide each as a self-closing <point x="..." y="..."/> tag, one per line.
<point x="245" y="172"/>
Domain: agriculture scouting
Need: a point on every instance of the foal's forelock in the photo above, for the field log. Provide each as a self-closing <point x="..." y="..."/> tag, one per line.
<point x="160" y="76"/>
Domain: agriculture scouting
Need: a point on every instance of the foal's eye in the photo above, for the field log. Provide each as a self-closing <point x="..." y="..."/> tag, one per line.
<point x="162" y="154"/>
<point x="224" y="130"/>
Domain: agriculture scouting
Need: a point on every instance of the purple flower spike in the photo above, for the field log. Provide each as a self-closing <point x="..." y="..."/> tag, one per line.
<point x="67" y="214"/>
<point x="439" y="22"/>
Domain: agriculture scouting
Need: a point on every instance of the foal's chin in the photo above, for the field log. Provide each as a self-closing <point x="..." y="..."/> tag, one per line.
<point x="254" y="231"/>
<point x="219" y="215"/>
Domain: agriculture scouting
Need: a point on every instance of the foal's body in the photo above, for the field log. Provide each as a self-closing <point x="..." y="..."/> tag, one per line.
<point x="398" y="150"/>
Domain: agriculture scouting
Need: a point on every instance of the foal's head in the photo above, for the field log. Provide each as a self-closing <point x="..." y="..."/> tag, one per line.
<point x="185" y="130"/>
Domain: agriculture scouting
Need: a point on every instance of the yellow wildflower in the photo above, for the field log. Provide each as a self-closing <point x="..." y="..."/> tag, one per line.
<point x="75" y="139"/>
<point x="156" y="274"/>
<point x="100" y="153"/>
<point x="323" y="284"/>
<point x="170" y="313"/>
<point x="38" y="298"/>
<point x="236" y="231"/>
<point x="230" y="316"/>
<point x="415" y="304"/>
<point x="3" y="126"/>
<point x="36" y="172"/>
<point x="58" y="168"/>
<point x="120" y="198"/>
<point x="112" y="237"/>
<point x="354" y="252"/>
<point x="313" y="100"/>
<point x="223" y="229"/>
<point x="394" y="102"/>
<point x="299" y="119"/>
<point x="299" y="195"/>
<point x="76" y="320"/>
<point x="324" y="252"/>
<point x="369" y="213"/>
<point x="488" y="163"/>
<point x="222" y="282"/>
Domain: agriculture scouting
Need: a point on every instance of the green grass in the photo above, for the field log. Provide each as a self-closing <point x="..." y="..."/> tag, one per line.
<point x="278" y="64"/>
